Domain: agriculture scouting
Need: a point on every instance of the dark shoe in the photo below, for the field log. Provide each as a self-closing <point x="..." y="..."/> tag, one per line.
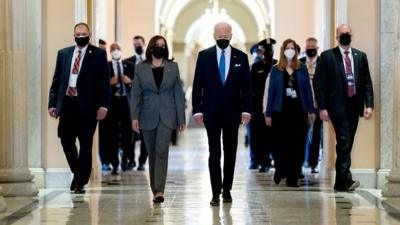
<point x="160" y="199"/>
<point x="114" y="172"/>
<point x="131" y="165"/>
<point x="226" y="197"/>
<point x="264" y="169"/>
<point x="339" y="188"/>
<point x="79" y="189"/>
<point x="215" y="201"/>
<point x="73" y="185"/>
<point x="301" y="176"/>
<point x="253" y="167"/>
<point x="351" y="186"/>
<point x="277" y="178"/>
<point x="124" y="166"/>
<point x="314" y="170"/>
<point x="140" y="168"/>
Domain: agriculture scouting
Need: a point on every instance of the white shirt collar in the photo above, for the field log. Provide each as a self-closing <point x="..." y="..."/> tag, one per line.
<point x="342" y="50"/>
<point x="314" y="60"/>
<point x="82" y="49"/>
<point x="227" y="50"/>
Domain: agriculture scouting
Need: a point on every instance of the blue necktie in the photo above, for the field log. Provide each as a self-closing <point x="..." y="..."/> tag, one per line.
<point x="222" y="66"/>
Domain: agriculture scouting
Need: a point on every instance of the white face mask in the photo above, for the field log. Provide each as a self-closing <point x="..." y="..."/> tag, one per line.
<point x="289" y="53"/>
<point x="116" y="54"/>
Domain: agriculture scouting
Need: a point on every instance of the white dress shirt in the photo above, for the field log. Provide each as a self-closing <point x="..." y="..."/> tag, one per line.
<point x="343" y="58"/>
<point x="74" y="55"/>
<point x="140" y="58"/>
<point x="115" y="69"/>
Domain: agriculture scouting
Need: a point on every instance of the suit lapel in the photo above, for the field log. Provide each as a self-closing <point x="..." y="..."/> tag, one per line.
<point x="68" y="63"/>
<point x="340" y="62"/>
<point x="214" y="61"/>
<point x="87" y="58"/>
<point x="232" y="63"/>
<point x="356" y="63"/>
<point x="149" y="71"/>
<point x="166" y="72"/>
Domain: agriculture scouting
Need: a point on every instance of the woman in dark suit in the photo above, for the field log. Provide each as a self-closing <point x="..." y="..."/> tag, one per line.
<point x="158" y="107"/>
<point x="289" y="108"/>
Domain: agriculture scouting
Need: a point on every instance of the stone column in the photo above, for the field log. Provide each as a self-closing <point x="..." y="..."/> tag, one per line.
<point x="390" y="109"/>
<point x="15" y="177"/>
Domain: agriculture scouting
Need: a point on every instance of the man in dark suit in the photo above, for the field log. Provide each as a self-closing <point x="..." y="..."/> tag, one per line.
<point x="222" y="100"/>
<point x="121" y="76"/>
<point x="258" y="132"/>
<point x="80" y="96"/>
<point x="344" y="92"/>
<point x="139" y="45"/>
<point x="313" y="142"/>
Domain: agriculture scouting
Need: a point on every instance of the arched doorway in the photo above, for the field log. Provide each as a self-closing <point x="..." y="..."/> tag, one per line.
<point x="188" y="26"/>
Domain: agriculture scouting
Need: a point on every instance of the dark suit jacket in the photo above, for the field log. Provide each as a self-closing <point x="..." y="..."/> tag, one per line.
<point x="276" y="91"/>
<point x="332" y="83"/>
<point x="128" y="70"/>
<point x="219" y="102"/>
<point x="93" y="83"/>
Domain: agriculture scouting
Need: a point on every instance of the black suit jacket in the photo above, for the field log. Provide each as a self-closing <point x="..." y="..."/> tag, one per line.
<point x="219" y="102"/>
<point x="128" y="70"/>
<point x="332" y="83"/>
<point x="93" y="83"/>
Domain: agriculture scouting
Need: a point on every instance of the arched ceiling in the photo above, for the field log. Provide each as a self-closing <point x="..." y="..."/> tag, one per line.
<point x="178" y="15"/>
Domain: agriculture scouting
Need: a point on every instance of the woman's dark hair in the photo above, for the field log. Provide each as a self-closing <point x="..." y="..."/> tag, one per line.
<point x="152" y="44"/>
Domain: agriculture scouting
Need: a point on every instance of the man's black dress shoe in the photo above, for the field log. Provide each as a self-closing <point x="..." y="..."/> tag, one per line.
<point x="215" y="201"/>
<point x="114" y="172"/>
<point x="79" y="189"/>
<point x="352" y="185"/>
<point x="140" y="168"/>
<point x="226" y="197"/>
<point x="264" y="169"/>
<point x="277" y="178"/>
<point x="314" y="170"/>
<point x="73" y="185"/>
<point x="158" y="199"/>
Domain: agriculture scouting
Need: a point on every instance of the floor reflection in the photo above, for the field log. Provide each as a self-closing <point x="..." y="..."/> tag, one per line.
<point x="127" y="199"/>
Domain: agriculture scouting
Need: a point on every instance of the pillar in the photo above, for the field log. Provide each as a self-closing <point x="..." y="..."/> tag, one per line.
<point x="390" y="111"/>
<point x="15" y="177"/>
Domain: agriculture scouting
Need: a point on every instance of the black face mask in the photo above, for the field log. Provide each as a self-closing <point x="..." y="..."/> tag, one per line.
<point x="223" y="43"/>
<point x="345" y="39"/>
<point x="158" y="52"/>
<point x="82" y="41"/>
<point x="311" y="52"/>
<point x="139" y="50"/>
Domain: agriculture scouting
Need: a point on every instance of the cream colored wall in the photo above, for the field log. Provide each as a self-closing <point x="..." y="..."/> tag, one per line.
<point x="363" y="16"/>
<point x="58" y="22"/>
<point x="297" y="20"/>
<point x="137" y="18"/>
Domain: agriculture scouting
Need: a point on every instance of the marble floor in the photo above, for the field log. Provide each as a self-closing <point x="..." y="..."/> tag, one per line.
<point x="126" y="198"/>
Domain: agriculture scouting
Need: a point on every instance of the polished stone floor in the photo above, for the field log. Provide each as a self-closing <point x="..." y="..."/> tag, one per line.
<point x="126" y="198"/>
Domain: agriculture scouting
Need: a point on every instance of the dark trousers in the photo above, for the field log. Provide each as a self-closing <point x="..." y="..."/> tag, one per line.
<point x="229" y="142"/>
<point x="120" y="129"/>
<point x="75" y="124"/>
<point x="345" y="129"/>
<point x="143" y="151"/>
<point x="315" y="143"/>
<point x="104" y="139"/>
<point x="260" y="141"/>
<point x="289" y="134"/>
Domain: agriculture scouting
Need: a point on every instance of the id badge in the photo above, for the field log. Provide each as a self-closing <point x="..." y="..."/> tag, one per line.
<point x="294" y="94"/>
<point x="72" y="80"/>
<point x="289" y="92"/>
